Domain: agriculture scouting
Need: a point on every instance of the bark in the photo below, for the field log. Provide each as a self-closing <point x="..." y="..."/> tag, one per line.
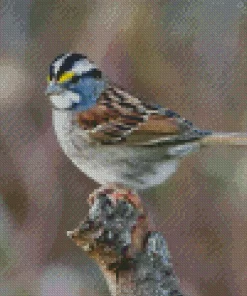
<point x="135" y="261"/>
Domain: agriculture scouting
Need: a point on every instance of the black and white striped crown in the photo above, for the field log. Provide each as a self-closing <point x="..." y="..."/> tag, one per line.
<point x="73" y="62"/>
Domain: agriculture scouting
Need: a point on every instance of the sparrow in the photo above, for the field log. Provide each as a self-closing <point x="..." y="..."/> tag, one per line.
<point x="111" y="135"/>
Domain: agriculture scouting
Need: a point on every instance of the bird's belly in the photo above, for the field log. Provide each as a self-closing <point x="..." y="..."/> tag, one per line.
<point x="138" y="167"/>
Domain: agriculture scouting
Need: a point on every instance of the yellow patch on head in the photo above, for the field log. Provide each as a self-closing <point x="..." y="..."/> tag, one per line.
<point x="66" y="77"/>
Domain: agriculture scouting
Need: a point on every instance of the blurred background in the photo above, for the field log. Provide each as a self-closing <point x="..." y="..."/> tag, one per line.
<point x="188" y="55"/>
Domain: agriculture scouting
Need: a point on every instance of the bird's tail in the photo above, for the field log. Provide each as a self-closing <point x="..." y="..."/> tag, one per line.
<point x="224" y="138"/>
<point x="205" y="137"/>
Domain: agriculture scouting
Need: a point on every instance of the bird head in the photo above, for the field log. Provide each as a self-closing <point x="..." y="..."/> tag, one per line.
<point x="74" y="82"/>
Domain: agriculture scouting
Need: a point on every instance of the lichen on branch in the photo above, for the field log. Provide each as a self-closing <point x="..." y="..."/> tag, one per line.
<point x="135" y="261"/>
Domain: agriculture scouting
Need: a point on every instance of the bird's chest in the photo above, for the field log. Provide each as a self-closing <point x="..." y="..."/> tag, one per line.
<point x="70" y="137"/>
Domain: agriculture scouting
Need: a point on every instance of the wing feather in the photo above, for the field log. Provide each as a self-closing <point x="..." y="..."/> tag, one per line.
<point x="120" y="117"/>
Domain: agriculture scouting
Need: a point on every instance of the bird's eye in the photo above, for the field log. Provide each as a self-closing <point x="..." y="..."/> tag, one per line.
<point x="75" y="79"/>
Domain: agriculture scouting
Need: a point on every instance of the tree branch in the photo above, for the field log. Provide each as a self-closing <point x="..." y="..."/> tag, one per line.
<point x="135" y="261"/>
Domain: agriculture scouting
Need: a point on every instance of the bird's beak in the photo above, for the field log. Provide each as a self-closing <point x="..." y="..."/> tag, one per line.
<point x="53" y="89"/>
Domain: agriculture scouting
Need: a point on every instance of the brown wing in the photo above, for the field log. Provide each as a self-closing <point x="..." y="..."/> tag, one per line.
<point x="120" y="117"/>
<point x="159" y="124"/>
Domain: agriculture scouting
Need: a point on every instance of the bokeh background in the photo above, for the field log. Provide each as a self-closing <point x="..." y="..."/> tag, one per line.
<point x="189" y="55"/>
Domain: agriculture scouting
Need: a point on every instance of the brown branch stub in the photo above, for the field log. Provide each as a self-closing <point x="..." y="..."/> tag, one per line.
<point x="134" y="260"/>
<point x="115" y="227"/>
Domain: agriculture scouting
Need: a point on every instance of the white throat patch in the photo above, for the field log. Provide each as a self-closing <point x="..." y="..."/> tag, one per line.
<point x="64" y="100"/>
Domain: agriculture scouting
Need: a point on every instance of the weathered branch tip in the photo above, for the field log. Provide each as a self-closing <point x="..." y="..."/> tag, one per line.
<point x="134" y="260"/>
